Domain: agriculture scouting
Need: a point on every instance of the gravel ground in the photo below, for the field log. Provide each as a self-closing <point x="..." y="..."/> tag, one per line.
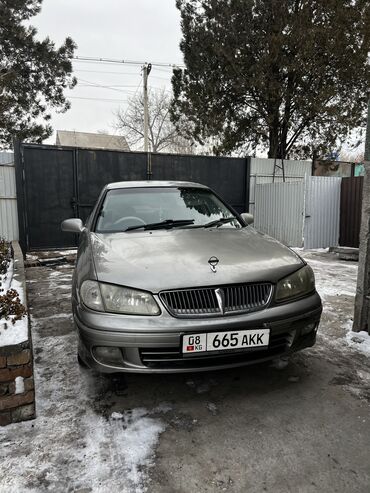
<point x="303" y="428"/>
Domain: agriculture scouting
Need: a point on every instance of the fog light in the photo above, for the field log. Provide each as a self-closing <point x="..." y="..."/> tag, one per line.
<point x="308" y="328"/>
<point x="108" y="355"/>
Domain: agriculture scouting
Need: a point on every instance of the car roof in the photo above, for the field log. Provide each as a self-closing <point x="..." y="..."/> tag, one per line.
<point x="152" y="183"/>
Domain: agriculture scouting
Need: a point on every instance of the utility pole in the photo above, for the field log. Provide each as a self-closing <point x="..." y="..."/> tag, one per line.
<point x="146" y="71"/>
<point x="362" y="302"/>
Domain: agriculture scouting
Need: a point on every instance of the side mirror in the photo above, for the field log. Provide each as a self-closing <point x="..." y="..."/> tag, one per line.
<point x="247" y="218"/>
<point x="74" y="225"/>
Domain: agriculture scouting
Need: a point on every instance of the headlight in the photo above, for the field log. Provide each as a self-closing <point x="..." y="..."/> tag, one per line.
<point x="117" y="299"/>
<point x="298" y="284"/>
<point x="90" y="295"/>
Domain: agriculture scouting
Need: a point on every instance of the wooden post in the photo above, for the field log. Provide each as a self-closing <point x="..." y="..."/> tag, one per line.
<point x="362" y="302"/>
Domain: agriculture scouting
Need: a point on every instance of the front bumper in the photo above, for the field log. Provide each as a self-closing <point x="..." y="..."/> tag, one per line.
<point x="153" y="344"/>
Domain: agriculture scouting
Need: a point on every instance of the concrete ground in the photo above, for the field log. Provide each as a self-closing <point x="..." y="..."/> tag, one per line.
<point x="301" y="428"/>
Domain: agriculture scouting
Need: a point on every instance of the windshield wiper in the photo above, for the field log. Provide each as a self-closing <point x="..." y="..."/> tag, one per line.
<point x="216" y="222"/>
<point x="219" y="222"/>
<point x="167" y="224"/>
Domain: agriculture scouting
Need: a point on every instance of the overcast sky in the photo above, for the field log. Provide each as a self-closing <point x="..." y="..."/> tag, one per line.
<point x="141" y="30"/>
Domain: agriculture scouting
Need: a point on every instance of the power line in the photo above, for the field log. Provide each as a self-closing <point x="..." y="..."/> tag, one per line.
<point x="161" y="78"/>
<point x="109" y="100"/>
<point x="129" y="92"/>
<point x="127" y="62"/>
<point x="95" y="84"/>
<point x="113" y="86"/>
<point x="166" y="70"/>
<point x="89" y="86"/>
<point x="126" y="111"/>
<point x="103" y="72"/>
<point x="97" y="99"/>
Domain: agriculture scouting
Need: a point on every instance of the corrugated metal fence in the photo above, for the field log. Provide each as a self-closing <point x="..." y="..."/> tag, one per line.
<point x="279" y="210"/>
<point x="287" y="211"/>
<point x="304" y="213"/>
<point x="322" y="211"/>
<point x="262" y="172"/>
<point x="8" y="198"/>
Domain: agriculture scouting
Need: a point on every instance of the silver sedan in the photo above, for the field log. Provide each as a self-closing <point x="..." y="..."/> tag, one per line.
<point x="169" y="278"/>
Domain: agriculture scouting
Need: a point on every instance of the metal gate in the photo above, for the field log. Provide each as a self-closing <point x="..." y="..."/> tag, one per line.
<point x="350" y="211"/>
<point x="300" y="214"/>
<point x="279" y="209"/>
<point x="322" y="209"/>
<point x="54" y="183"/>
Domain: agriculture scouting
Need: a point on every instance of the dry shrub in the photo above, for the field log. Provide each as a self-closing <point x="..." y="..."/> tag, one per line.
<point x="11" y="306"/>
<point x="5" y="255"/>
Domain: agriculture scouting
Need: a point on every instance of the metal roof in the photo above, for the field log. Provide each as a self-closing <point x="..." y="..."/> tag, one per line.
<point x="91" y="140"/>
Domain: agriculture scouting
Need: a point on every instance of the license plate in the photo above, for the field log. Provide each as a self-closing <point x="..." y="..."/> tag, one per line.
<point x="225" y="341"/>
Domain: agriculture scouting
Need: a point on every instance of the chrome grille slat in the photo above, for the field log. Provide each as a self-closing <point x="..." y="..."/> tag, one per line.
<point x="243" y="293"/>
<point x="201" y="299"/>
<point x="209" y="301"/>
<point x="240" y="298"/>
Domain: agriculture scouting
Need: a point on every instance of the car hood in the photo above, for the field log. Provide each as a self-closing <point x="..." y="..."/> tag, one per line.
<point x="178" y="258"/>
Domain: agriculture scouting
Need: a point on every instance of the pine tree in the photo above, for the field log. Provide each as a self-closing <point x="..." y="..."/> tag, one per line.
<point x="287" y="75"/>
<point x="33" y="74"/>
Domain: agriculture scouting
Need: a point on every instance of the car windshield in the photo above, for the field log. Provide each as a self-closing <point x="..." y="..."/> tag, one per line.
<point x="152" y="208"/>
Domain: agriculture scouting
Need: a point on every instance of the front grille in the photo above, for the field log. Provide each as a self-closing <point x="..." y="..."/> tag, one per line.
<point x="214" y="301"/>
<point x="172" y="358"/>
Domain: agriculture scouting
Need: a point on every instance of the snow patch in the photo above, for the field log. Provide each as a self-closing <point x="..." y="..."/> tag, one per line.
<point x="212" y="408"/>
<point x="314" y="250"/>
<point x="66" y="252"/>
<point x="140" y="434"/>
<point x="65" y="286"/>
<point x="133" y="435"/>
<point x="49" y="317"/>
<point x="6" y="279"/>
<point x="55" y="273"/>
<point x="13" y="334"/>
<point x="359" y="341"/>
<point x="29" y="256"/>
<point x="19" y="385"/>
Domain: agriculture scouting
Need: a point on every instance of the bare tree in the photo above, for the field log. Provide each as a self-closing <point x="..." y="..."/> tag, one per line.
<point x="163" y="134"/>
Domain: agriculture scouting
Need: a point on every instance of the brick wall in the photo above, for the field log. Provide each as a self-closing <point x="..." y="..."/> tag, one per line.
<point x="17" y="393"/>
<point x="16" y="361"/>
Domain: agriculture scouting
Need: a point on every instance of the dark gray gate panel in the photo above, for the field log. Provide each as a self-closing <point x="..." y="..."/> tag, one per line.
<point x="55" y="183"/>
<point x="97" y="168"/>
<point x="229" y="177"/>
<point x="49" y="189"/>
<point x="350" y="211"/>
